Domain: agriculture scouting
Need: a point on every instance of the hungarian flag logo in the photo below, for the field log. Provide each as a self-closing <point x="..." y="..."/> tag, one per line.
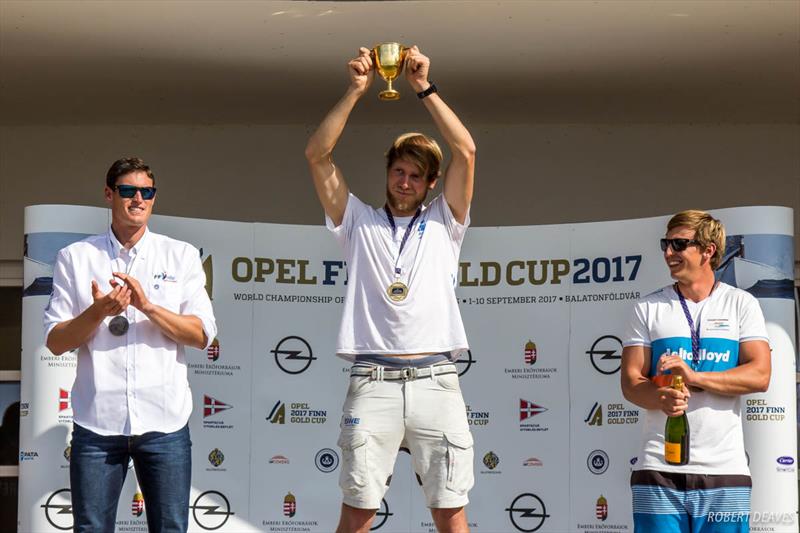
<point x="530" y="352"/>
<point x="137" y="504"/>
<point x="528" y="409"/>
<point x="289" y="505"/>
<point x="601" y="509"/>
<point x="64" y="400"/>
<point x="212" y="406"/>
<point x="213" y="351"/>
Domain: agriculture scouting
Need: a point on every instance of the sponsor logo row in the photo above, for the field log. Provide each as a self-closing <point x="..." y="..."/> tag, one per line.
<point x="294" y="355"/>
<point x="327" y="460"/>
<point x="303" y="413"/>
<point x="211" y="510"/>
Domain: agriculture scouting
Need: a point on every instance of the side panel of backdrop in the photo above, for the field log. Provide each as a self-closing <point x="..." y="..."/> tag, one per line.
<point x="545" y="309"/>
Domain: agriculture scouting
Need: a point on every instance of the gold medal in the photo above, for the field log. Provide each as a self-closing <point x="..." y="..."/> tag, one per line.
<point x="397" y="291"/>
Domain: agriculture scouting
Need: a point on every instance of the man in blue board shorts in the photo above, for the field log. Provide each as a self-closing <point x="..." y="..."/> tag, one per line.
<point x="401" y="326"/>
<point x="714" y="336"/>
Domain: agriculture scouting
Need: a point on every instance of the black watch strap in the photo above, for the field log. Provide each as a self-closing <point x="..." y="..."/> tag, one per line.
<point x="427" y="92"/>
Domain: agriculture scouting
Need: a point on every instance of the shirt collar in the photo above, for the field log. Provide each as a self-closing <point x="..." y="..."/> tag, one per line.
<point x="136" y="249"/>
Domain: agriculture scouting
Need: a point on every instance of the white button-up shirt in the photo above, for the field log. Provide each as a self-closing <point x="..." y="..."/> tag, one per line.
<point x="135" y="383"/>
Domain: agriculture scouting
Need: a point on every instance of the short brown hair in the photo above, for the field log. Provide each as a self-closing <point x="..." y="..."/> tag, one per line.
<point x="419" y="149"/>
<point x="126" y="165"/>
<point x="707" y="230"/>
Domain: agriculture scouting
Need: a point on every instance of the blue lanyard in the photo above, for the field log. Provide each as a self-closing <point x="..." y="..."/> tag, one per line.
<point x="405" y="235"/>
<point x="694" y="331"/>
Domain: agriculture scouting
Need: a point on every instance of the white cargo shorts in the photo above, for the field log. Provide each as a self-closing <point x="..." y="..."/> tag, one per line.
<point x="426" y="415"/>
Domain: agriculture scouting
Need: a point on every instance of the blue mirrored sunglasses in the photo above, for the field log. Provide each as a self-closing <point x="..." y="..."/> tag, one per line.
<point x="129" y="191"/>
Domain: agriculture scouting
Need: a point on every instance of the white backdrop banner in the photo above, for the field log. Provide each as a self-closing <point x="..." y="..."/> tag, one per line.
<point x="544" y="307"/>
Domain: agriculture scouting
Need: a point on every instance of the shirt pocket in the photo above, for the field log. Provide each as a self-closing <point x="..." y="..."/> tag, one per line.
<point x="167" y="294"/>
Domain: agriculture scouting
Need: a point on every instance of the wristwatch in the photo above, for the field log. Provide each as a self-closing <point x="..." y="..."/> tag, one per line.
<point x="427" y="92"/>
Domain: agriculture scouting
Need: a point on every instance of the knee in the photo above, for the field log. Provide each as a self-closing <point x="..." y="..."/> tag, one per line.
<point x="354" y="520"/>
<point x="450" y="520"/>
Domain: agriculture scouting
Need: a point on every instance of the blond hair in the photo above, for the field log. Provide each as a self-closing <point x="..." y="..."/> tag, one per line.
<point x="419" y="149"/>
<point x="707" y="230"/>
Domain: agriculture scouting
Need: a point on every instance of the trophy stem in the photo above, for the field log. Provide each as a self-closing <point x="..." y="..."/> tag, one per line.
<point x="389" y="93"/>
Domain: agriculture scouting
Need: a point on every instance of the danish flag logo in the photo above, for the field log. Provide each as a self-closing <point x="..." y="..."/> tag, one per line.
<point x="64" y="400"/>
<point x="212" y="406"/>
<point x="528" y="409"/>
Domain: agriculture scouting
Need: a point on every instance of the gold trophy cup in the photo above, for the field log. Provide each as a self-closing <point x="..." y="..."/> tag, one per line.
<point x="389" y="58"/>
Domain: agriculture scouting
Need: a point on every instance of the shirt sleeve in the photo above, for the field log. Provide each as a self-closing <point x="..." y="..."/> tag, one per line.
<point x="63" y="300"/>
<point x="455" y="229"/>
<point x="195" y="297"/>
<point x="344" y="231"/>
<point x="751" y="320"/>
<point x="637" y="333"/>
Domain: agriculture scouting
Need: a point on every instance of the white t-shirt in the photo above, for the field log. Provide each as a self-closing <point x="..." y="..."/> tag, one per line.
<point x="428" y="319"/>
<point x="727" y="318"/>
<point x="135" y="383"/>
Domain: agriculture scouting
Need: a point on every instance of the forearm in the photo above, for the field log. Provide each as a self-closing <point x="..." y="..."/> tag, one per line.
<point x="449" y="125"/>
<point x="183" y="329"/>
<point x="460" y="174"/>
<point x="642" y="392"/>
<point x="70" y="334"/>
<point x="322" y="142"/>
<point x="734" y="382"/>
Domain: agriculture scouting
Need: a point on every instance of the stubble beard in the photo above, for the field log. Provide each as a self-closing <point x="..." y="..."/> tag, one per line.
<point x="402" y="204"/>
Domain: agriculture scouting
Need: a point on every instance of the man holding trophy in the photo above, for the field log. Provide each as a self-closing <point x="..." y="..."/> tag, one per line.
<point x="401" y="326"/>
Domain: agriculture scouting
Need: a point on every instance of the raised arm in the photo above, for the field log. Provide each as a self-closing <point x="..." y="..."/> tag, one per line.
<point x="460" y="173"/>
<point x="328" y="179"/>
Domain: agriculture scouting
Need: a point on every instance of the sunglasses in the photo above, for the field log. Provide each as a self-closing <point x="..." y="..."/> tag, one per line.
<point x="129" y="191"/>
<point x="677" y="245"/>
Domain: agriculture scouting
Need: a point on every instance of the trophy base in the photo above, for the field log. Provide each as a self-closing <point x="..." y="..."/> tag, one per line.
<point x="389" y="94"/>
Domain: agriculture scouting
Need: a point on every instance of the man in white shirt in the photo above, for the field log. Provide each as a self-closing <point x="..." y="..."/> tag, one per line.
<point x="401" y="324"/>
<point x="714" y="336"/>
<point x="129" y="300"/>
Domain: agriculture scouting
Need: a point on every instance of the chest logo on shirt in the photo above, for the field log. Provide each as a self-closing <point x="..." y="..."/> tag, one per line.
<point x="164" y="276"/>
<point x="717" y="324"/>
<point x="704" y="355"/>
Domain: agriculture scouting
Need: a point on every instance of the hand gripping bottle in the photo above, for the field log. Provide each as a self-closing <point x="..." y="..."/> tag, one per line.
<point x="676" y="433"/>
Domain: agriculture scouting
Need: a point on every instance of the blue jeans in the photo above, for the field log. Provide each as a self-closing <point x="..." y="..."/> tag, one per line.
<point x="97" y="470"/>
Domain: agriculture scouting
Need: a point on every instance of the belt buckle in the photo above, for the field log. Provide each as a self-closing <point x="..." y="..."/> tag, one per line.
<point x="408" y="373"/>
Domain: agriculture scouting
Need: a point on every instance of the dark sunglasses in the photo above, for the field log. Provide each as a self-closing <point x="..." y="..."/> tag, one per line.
<point x="677" y="245"/>
<point x="129" y="191"/>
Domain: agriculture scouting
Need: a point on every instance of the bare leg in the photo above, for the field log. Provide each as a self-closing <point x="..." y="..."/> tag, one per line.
<point x="354" y="520"/>
<point x="452" y="520"/>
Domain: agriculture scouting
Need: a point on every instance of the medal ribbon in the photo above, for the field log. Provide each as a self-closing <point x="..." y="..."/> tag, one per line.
<point x="694" y="331"/>
<point x="405" y="235"/>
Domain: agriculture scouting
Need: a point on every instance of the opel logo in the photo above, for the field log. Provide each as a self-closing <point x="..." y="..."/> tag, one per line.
<point x="293" y="355"/>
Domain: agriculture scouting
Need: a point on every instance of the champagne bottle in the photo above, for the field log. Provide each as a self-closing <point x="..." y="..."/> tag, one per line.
<point x="676" y="433"/>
